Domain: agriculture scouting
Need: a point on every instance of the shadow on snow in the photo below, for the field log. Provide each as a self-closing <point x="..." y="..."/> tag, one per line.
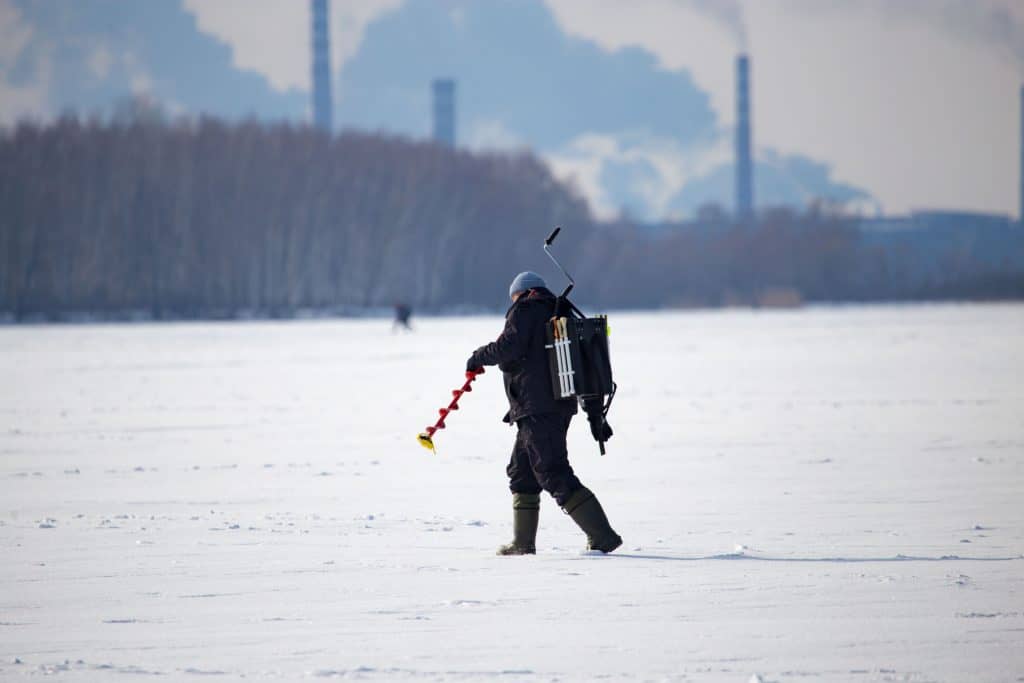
<point x="837" y="560"/>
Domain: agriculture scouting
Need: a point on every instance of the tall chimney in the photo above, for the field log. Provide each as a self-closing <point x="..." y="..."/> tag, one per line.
<point x="744" y="169"/>
<point x="321" y="67"/>
<point x="444" y="111"/>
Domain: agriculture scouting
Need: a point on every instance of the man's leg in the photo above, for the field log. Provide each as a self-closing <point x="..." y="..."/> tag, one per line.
<point x="585" y="509"/>
<point x="544" y="439"/>
<point x="525" y="502"/>
<point x="543" y="442"/>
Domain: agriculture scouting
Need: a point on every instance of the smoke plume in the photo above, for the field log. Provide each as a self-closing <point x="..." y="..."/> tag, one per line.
<point x="992" y="23"/>
<point x="998" y="24"/>
<point x="727" y="13"/>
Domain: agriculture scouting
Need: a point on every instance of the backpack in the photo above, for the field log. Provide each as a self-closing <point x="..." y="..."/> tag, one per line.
<point x="578" y="356"/>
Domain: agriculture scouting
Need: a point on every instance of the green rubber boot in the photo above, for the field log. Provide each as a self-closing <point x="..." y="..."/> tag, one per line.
<point x="588" y="514"/>
<point x="525" y="517"/>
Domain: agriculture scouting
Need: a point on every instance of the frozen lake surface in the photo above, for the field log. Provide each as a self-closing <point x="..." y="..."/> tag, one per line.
<point x="828" y="494"/>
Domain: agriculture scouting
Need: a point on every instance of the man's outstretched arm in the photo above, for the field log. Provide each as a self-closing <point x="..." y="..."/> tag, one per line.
<point x="511" y="344"/>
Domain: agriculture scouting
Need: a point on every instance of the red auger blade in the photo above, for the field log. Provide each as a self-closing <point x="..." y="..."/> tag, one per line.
<point x="425" y="439"/>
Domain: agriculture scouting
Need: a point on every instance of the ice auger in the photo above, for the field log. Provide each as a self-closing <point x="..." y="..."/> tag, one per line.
<point x="426" y="439"/>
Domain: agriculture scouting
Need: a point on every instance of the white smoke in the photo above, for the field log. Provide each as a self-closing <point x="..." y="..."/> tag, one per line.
<point x="727" y="13"/>
<point x="997" y="24"/>
<point x="22" y="97"/>
<point x="271" y="37"/>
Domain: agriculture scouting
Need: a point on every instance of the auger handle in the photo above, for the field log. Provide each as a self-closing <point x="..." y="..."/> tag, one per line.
<point x="547" y="243"/>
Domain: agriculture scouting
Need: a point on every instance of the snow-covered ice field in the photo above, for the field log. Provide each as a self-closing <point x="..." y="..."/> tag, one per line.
<point x="827" y="494"/>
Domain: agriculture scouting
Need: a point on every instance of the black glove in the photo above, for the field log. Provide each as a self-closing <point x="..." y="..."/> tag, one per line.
<point x="599" y="428"/>
<point x="472" y="364"/>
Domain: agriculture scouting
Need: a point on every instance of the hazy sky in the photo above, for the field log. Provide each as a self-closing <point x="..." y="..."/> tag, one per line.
<point x="917" y="100"/>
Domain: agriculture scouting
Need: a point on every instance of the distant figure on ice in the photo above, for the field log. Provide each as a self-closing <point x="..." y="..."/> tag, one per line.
<point x="402" y="315"/>
<point x="540" y="460"/>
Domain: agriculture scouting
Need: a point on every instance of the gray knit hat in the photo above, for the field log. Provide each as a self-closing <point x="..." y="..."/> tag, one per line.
<point x="524" y="281"/>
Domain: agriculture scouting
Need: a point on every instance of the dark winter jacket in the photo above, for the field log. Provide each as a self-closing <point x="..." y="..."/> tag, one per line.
<point x="520" y="354"/>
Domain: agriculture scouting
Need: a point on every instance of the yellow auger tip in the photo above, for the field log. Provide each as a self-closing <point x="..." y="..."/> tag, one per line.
<point x="427" y="442"/>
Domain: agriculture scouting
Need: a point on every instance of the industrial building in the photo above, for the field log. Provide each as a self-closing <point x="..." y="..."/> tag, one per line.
<point x="744" y="142"/>
<point x="322" y="105"/>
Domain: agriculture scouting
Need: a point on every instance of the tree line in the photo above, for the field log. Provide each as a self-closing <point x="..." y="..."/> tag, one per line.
<point x="202" y="218"/>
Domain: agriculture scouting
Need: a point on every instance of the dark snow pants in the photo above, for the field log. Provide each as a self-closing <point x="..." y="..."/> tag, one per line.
<point x="540" y="460"/>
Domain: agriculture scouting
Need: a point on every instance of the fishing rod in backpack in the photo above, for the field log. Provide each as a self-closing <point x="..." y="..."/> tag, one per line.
<point x="578" y="355"/>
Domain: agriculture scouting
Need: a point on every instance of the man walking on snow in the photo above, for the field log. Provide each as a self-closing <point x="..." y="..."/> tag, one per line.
<point x="540" y="460"/>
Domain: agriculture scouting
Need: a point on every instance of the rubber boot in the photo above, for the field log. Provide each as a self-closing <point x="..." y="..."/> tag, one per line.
<point x="525" y="517"/>
<point x="586" y="511"/>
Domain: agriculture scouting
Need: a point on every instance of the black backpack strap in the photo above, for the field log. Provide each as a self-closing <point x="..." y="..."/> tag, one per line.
<point x="565" y="307"/>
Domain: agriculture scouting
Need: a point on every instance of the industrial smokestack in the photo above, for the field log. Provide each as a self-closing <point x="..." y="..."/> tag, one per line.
<point x="444" y="111"/>
<point x="744" y="168"/>
<point x="321" y="67"/>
